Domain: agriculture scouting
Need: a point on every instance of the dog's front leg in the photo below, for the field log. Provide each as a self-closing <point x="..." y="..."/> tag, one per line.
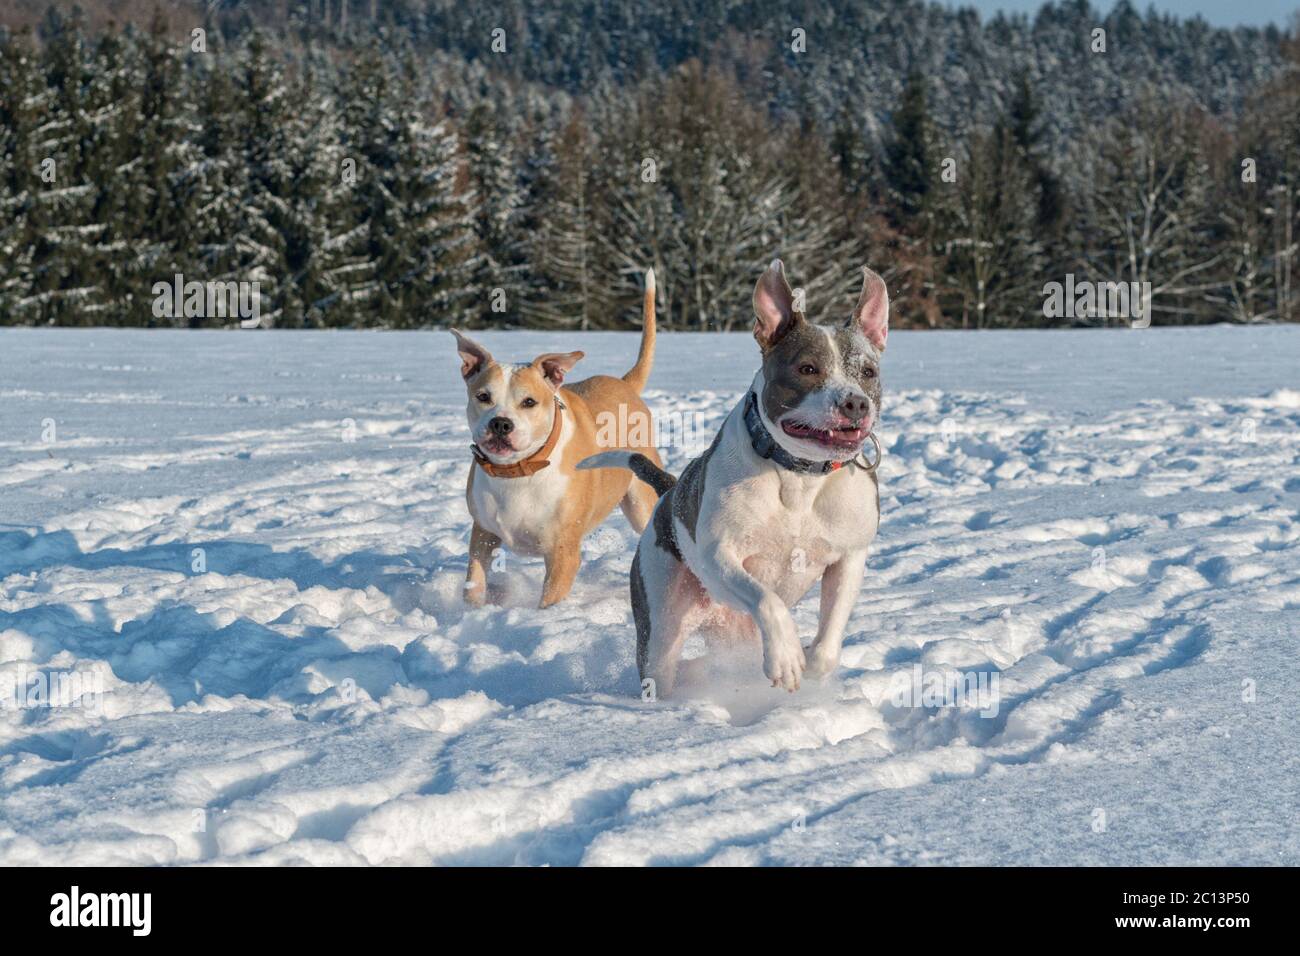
<point x="561" y="568"/>
<point x="481" y="545"/>
<point x="840" y="584"/>
<point x="783" y="657"/>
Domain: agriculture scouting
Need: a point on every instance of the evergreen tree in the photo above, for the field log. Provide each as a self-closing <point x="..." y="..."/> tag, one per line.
<point x="1028" y="131"/>
<point x="415" y="255"/>
<point x="564" y="248"/>
<point x="911" y="175"/>
<point x="910" y="165"/>
<point x="399" y="179"/>
<point x="496" y="201"/>
<point x="20" y="117"/>
<point x="851" y="156"/>
<point x="312" y="196"/>
<point x="66" y="230"/>
<point x="211" y="180"/>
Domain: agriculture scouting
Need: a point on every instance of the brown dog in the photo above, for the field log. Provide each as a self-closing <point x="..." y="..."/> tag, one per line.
<point x="529" y="433"/>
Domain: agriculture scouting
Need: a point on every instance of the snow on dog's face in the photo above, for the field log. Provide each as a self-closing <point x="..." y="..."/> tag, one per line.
<point x="820" y="386"/>
<point x="511" y="408"/>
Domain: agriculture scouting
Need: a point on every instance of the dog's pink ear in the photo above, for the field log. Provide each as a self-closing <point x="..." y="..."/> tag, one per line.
<point x="774" y="312"/>
<point x="474" y="358"/>
<point x="871" y="314"/>
<point x="555" y="365"/>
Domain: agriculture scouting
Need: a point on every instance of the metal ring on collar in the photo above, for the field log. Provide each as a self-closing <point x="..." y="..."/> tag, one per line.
<point x="871" y="466"/>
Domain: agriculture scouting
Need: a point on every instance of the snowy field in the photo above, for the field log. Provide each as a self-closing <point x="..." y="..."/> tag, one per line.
<point x="247" y="550"/>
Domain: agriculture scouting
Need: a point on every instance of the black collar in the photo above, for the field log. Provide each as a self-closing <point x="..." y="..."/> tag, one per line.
<point x="765" y="445"/>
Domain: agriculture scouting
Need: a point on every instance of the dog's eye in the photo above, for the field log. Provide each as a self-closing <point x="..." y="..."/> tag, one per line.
<point x="483" y="397"/>
<point x="528" y="402"/>
<point x="807" y="369"/>
<point x="868" y="372"/>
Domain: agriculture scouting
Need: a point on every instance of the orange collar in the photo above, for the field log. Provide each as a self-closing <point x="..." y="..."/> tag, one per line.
<point x="527" y="466"/>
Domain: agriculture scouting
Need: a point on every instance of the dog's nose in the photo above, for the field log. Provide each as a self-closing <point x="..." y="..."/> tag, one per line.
<point x="854" y="407"/>
<point x="501" y="426"/>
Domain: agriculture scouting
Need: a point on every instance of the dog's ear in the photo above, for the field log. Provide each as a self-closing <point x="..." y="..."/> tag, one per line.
<point x="474" y="358"/>
<point x="555" y="365"/>
<point x="774" y="311"/>
<point x="871" y="314"/>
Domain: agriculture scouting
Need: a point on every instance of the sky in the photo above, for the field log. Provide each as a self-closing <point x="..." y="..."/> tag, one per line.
<point x="1222" y="13"/>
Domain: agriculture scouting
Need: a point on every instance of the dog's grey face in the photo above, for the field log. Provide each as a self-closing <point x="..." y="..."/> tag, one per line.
<point x="510" y="408"/>
<point x="821" y="386"/>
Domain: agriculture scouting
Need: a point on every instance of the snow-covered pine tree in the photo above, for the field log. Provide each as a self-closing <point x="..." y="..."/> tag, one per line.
<point x="211" y="177"/>
<point x="67" y="269"/>
<point x="442" y="257"/>
<point x="1024" y="119"/>
<point x="910" y="157"/>
<point x="911" y="173"/>
<point x="20" y="116"/>
<point x="818" y="224"/>
<point x="536" y="168"/>
<point x="564" y="248"/>
<point x="495" y="199"/>
<point x="699" y="189"/>
<point x="415" y="257"/>
<point x="259" y="247"/>
<point x="635" y="209"/>
<point x="310" y="197"/>
<point x="143" y="234"/>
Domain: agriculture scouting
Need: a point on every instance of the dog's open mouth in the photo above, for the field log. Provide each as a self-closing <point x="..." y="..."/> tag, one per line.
<point x="838" y="438"/>
<point x="496" y="445"/>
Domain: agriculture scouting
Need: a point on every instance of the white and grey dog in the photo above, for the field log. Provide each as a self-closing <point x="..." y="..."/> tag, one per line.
<point x="780" y="499"/>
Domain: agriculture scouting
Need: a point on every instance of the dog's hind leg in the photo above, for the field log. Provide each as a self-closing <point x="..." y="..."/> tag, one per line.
<point x="664" y="592"/>
<point x="639" y="504"/>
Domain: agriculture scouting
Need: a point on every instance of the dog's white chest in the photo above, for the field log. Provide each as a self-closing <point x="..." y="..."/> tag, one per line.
<point x="787" y="528"/>
<point x="519" y="511"/>
<point x="802" y="528"/>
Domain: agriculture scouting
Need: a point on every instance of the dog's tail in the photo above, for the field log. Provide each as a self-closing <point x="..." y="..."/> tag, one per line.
<point x="638" y="464"/>
<point x="640" y="372"/>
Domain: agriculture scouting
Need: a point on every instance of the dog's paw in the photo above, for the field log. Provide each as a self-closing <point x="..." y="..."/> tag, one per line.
<point x="820" y="661"/>
<point x="783" y="663"/>
<point x="475" y="596"/>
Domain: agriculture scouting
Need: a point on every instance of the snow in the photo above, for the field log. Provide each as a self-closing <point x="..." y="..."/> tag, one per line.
<point x="247" y="549"/>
